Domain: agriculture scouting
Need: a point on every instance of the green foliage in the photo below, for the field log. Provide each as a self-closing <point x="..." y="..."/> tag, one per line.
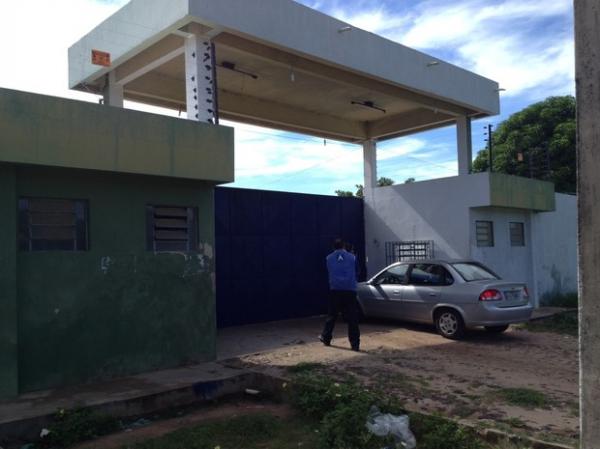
<point x="523" y="397"/>
<point x="545" y="134"/>
<point x="342" y="409"/>
<point x="410" y="181"/>
<point x="567" y="300"/>
<point x="305" y="367"/>
<point x="250" y="432"/>
<point x="439" y="433"/>
<point x="73" y="426"/>
<point x="562" y="323"/>
<point x="381" y="182"/>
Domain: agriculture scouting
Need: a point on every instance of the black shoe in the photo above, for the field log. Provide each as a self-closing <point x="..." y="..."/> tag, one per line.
<point x="325" y="342"/>
<point x="355" y="348"/>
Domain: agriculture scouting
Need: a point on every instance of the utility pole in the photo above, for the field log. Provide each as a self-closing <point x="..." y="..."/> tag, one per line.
<point x="489" y="140"/>
<point x="587" y="50"/>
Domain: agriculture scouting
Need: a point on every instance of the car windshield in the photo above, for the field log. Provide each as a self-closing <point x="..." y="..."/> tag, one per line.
<point x="473" y="272"/>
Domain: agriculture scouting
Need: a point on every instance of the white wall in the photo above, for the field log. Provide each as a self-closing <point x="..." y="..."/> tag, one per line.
<point x="435" y="210"/>
<point x="445" y="211"/>
<point x="555" y="248"/>
<point x="510" y="262"/>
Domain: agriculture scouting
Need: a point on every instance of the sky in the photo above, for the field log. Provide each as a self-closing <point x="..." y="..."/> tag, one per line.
<point x="525" y="45"/>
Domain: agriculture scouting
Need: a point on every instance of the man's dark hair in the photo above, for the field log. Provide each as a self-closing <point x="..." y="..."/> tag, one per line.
<point x="338" y="244"/>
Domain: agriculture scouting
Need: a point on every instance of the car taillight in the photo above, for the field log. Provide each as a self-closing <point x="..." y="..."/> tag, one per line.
<point x="525" y="293"/>
<point x="490" y="295"/>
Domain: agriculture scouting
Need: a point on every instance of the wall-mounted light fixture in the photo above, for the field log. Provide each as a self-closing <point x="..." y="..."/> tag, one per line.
<point x="433" y="63"/>
<point x="345" y="29"/>
<point x="231" y="66"/>
<point x="500" y="89"/>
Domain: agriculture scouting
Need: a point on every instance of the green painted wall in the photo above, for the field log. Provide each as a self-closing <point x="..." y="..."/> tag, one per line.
<point x="521" y="193"/>
<point x="115" y="309"/>
<point x="49" y="131"/>
<point x="9" y="372"/>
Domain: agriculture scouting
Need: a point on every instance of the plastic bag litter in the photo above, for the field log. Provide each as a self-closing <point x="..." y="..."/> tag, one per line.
<point x="398" y="427"/>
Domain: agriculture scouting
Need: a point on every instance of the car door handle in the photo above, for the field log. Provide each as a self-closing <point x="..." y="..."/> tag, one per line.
<point x="432" y="294"/>
<point x="396" y="292"/>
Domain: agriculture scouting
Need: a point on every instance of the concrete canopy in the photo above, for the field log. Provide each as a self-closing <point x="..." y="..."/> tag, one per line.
<point x="311" y="72"/>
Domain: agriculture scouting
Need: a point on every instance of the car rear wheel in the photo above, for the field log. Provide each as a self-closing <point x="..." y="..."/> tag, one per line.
<point x="450" y="324"/>
<point x="496" y="329"/>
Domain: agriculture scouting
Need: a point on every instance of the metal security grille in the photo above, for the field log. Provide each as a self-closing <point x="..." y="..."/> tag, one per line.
<point x="47" y="224"/>
<point x="172" y="229"/>
<point x="415" y="250"/>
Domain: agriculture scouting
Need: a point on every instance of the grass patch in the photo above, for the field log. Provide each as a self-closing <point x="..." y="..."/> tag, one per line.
<point x="74" y="426"/>
<point x="342" y="409"/>
<point x="564" y="323"/>
<point x="305" y="367"/>
<point x="523" y="397"/>
<point x="566" y="300"/>
<point x="260" y="431"/>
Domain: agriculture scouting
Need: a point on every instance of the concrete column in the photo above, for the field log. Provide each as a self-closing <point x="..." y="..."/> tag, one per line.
<point x="9" y="355"/>
<point x="370" y="164"/>
<point x="113" y="92"/>
<point x="199" y="85"/>
<point x="587" y="43"/>
<point x="464" y="145"/>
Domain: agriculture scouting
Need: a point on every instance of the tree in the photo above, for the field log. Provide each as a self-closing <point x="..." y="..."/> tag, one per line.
<point x="410" y="181"/>
<point x="381" y="182"/>
<point x="538" y="142"/>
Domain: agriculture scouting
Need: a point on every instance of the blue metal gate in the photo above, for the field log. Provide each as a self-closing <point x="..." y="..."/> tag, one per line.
<point x="271" y="249"/>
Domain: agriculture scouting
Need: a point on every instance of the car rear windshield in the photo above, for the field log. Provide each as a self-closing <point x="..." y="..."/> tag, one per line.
<point x="471" y="272"/>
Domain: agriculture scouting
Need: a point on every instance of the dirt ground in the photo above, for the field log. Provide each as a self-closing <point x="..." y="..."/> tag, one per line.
<point x="460" y="379"/>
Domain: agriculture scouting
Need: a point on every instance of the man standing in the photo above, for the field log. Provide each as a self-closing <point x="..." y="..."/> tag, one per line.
<point x="341" y="266"/>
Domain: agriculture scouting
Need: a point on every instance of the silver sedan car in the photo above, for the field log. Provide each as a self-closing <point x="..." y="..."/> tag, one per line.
<point x="453" y="295"/>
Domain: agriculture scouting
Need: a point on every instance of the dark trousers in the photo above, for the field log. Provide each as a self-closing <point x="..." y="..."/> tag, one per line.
<point x="343" y="301"/>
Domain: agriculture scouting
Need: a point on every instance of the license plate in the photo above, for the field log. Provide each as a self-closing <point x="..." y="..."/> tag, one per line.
<point x="512" y="295"/>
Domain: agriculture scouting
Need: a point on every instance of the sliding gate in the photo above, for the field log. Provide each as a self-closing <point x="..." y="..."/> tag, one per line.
<point x="271" y="249"/>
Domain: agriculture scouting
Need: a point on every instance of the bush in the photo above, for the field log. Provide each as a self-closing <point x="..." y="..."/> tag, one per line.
<point x="342" y="409"/>
<point x="73" y="426"/>
<point x="566" y="300"/>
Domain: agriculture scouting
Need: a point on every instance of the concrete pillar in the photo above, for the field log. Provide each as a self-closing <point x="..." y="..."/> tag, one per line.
<point x="9" y="355"/>
<point x="113" y="92"/>
<point x="370" y="165"/>
<point x="587" y="43"/>
<point x="464" y="145"/>
<point x="199" y="85"/>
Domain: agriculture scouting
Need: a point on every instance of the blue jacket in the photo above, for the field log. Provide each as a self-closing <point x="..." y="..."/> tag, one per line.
<point x="341" y="266"/>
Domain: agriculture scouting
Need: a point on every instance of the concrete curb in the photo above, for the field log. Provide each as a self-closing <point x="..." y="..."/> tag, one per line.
<point x="205" y="391"/>
<point x="498" y="436"/>
<point x="28" y="429"/>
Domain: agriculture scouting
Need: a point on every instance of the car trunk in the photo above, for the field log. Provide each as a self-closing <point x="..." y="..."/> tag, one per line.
<point x="512" y="292"/>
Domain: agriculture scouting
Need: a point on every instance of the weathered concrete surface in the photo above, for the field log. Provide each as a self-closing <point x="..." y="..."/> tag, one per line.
<point x="116" y="309"/>
<point x="9" y="361"/>
<point x="22" y="418"/>
<point x="42" y="130"/>
<point x="587" y="41"/>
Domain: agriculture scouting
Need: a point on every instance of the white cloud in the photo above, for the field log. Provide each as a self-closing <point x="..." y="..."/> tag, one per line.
<point x="525" y="45"/>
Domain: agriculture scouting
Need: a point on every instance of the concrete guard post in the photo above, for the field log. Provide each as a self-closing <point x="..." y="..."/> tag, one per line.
<point x="587" y="43"/>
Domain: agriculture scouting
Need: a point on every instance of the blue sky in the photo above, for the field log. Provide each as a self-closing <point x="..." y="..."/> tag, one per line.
<point x="525" y="45"/>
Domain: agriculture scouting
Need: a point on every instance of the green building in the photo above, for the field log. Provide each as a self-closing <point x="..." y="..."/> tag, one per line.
<point x="106" y="242"/>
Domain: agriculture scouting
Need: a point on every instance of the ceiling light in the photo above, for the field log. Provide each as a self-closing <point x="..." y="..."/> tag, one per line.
<point x="369" y="104"/>
<point x="231" y="66"/>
